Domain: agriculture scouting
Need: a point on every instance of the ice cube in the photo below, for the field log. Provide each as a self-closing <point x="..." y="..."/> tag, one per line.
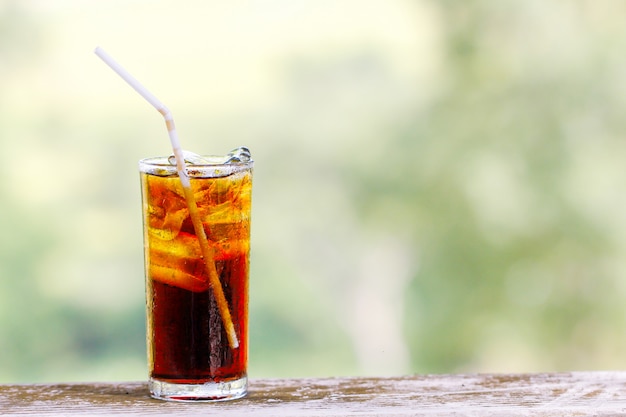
<point x="167" y="209"/>
<point x="241" y="154"/>
<point x="177" y="262"/>
<point x="190" y="158"/>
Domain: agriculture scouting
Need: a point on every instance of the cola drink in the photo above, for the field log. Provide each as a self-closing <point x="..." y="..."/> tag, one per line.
<point x="189" y="355"/>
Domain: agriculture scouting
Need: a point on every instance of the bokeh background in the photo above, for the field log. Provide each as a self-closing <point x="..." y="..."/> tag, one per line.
<point x="439" y="184"/>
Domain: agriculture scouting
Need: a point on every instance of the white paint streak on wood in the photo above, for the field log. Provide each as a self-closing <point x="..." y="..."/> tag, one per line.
<point x="544" y="395"/>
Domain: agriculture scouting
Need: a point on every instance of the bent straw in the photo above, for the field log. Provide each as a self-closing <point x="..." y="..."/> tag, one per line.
<point x="207" y="251"/>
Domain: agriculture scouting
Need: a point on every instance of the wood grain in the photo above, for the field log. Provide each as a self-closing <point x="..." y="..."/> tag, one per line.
<point x="563" y="394"/>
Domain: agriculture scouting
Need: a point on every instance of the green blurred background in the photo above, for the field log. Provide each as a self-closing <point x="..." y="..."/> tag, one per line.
<point x="439" y="185"/>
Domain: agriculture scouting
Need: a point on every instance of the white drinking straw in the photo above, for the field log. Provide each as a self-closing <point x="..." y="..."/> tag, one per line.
<point x="207" y="251"/>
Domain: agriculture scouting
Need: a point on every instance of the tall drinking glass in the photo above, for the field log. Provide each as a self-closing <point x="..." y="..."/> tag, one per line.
<point x="189" y="354"/>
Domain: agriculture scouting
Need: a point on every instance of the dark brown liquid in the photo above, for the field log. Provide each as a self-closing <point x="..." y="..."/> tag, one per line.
<point x="187" y="340"/>
<point x="188" y="333"/>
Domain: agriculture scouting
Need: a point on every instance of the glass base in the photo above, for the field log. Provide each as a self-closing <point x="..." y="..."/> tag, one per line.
<point x="209" y="391"/>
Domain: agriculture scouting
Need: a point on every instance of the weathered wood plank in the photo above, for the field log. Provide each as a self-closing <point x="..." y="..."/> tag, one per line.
<point x="565" y="394"/>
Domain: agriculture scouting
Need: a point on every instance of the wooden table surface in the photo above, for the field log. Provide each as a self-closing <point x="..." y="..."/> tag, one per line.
<point x="560" y="394"/>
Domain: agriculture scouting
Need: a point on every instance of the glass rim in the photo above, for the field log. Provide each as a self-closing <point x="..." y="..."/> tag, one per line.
<point x="215" y="166"/>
